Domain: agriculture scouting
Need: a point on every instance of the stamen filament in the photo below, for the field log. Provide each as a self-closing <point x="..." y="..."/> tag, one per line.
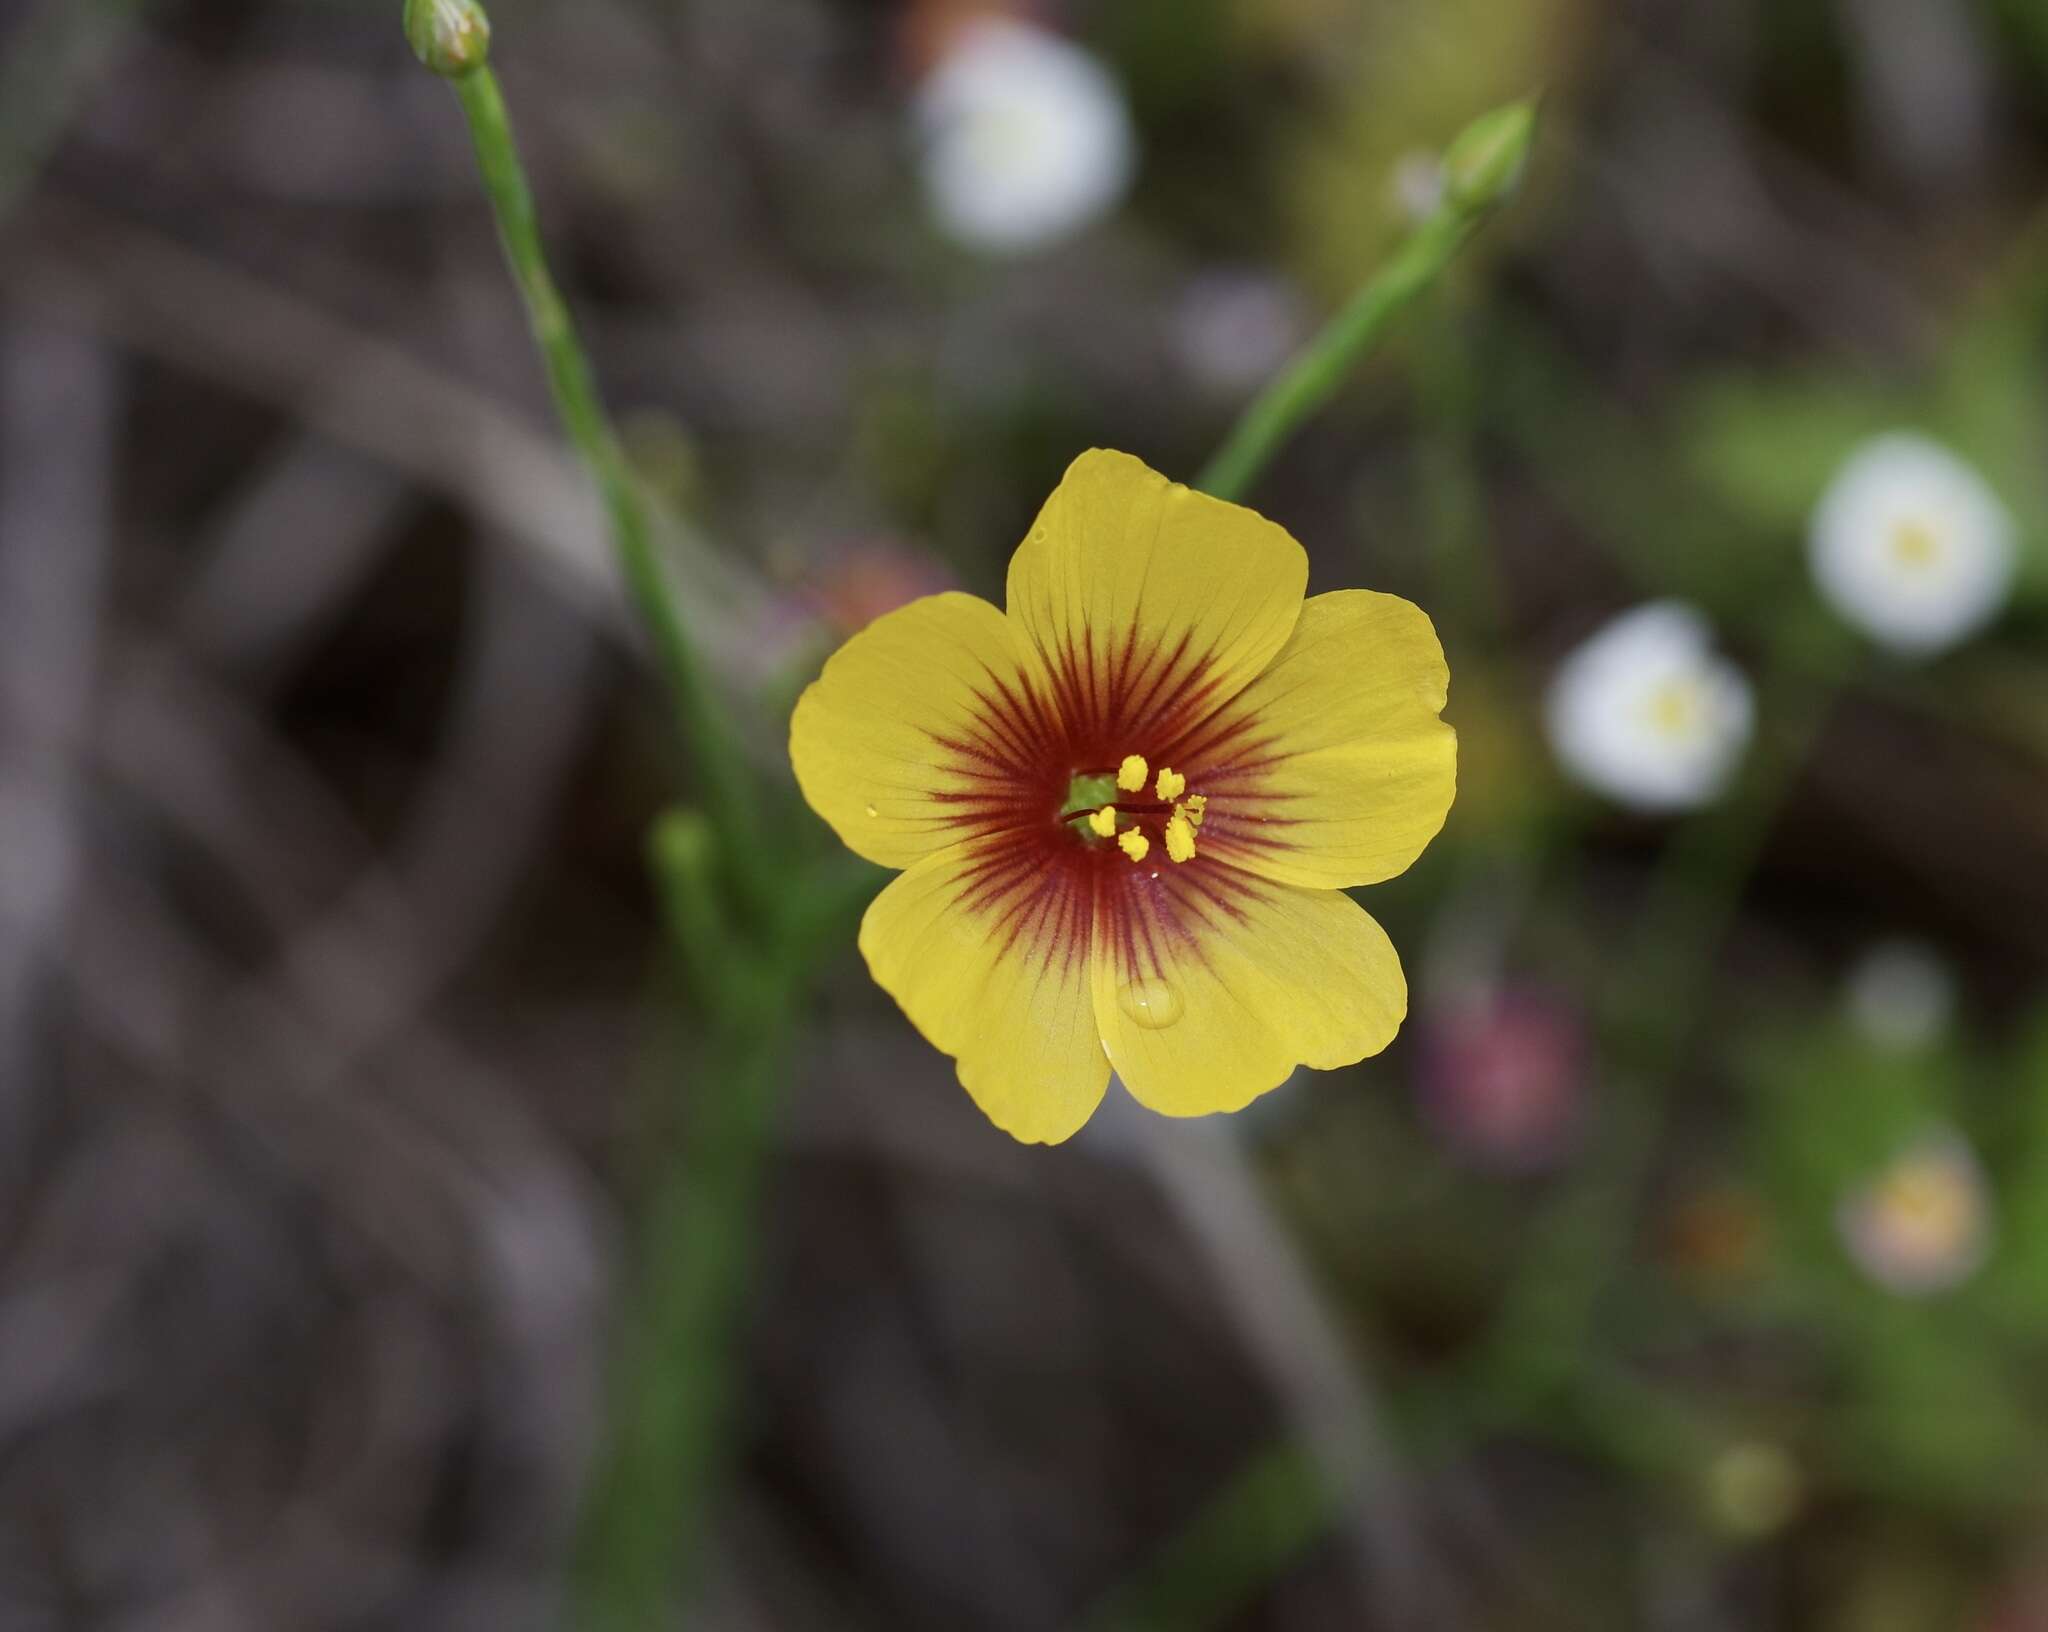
<point x="1122" y="808"/>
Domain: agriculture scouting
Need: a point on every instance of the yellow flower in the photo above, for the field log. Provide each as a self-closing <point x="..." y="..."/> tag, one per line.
<point x="1150" y="629"/>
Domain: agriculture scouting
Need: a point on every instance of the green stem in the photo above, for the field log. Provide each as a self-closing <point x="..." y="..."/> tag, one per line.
<point x="1314" y="376"/>
<point x="648" y="1514"/>
<point x="728" y="791"/>
<point x="727" y="977"/>
<point x="651" y="1512"/>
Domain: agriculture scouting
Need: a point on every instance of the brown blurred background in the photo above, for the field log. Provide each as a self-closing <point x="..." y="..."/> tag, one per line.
<point x="330" y="991"/>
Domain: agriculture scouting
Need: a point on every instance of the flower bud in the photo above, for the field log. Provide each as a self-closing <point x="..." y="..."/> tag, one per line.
<point x="452" y="37"/>
<point x="1503" y="1075"/>
<point x="1485" y="163"/>
<point x="682" y="843"/>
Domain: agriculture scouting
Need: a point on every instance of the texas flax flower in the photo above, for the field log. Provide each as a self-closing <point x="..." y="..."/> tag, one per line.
<point x="1127" y="807"/>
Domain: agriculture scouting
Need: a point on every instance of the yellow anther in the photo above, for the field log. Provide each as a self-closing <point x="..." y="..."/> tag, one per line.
<point x="1103" y="821"/>
<point x="1171" y="784"/>
<point x="1195" y="809"/>
<point x="1130" y="775"/>
<point x="1180" y="837"/>
<point x="1134" y="844"/>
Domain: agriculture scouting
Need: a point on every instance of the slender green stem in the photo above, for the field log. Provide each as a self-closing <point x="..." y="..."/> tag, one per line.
<point x="1480" y="169"/>
<point x="728" y="976"/>
<point x="647" y="1518"/>
<point x="729" y="792"/>
<point x="1314" y="376"/>
<point x="650" y="1514"/>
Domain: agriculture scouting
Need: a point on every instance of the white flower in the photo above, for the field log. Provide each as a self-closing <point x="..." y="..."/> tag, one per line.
<point x="1234" y="329"/>
<point x="1911" y="546"/>
<point x="1647" y="714"/>
<point x="1901" y="995"/>
<point x="1026" y="137"/>
<point x="1417" y="185"/>
<point x="1921" y="1224"/>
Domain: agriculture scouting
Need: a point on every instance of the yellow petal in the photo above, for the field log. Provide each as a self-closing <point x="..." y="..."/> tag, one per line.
<point x="1332" y="768"/>
<point x="1149" y="603"/>
<point x="906" y="742"/>
<point x="987" y="951"/>
<point x="1212" y="984"/>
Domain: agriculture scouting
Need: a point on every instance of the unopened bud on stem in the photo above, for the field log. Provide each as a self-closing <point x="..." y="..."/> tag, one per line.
<point x="452" y="37"/>
<point x="1484" y="164"/>
<point x="683" y="843"/>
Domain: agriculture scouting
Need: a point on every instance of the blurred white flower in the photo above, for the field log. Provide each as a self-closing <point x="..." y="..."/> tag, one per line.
<point x="1901" y="994"/>
<point x="1234" y="329"/>
<point x="1909" y="544"/>
<point x="1646" y="713"/>
<point x="1026" y="137"/>
<point x="1417" y="184"/>
<point x="1922" y="1224"/>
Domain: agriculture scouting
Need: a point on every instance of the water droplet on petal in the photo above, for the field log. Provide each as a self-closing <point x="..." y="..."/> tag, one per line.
<point x="872" y="811"/>
<point x="1150" y="1003"/>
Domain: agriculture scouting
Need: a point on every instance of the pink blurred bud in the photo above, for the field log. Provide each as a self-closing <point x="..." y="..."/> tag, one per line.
<point x="1232" y="329"/>
<point x="1502" y="1072"/>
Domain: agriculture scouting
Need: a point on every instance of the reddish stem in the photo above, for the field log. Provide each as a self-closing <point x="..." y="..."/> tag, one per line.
<point x="1122" y="808"/>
